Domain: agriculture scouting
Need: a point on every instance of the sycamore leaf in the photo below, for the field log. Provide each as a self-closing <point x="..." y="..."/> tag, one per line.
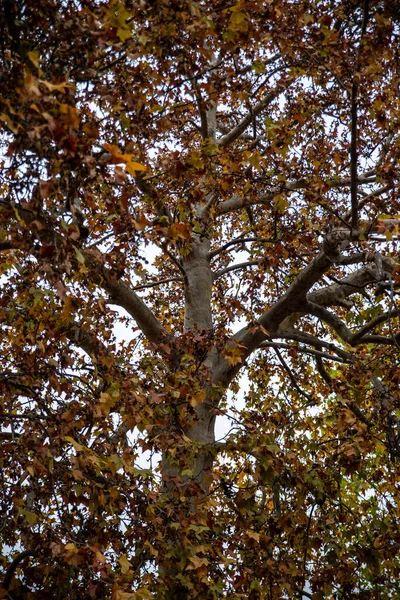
<point x="10" y="124"/>
<point x="71" y="547"/>
<point x="197" y="563"/>
<point x="78" y="447"/>
<point x="79" y="256"/>
<point x="124" y="34"/>
<point x="31" y="85"/>
<point x="34" y="58"/>
<point x="118" y="157"/>
<point x="132" y="167"/>
<point x="125" y="564"/>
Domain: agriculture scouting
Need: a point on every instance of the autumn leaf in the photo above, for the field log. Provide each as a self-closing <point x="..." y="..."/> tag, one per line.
<point x="199" y="222"/>
<point x="131" y="166"/>
<point x="124" y="563"/>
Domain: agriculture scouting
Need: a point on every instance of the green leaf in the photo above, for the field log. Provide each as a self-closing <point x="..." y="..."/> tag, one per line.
<point x="79" y="256"/>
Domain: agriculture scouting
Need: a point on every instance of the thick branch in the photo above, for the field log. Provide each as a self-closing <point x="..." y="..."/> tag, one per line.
<point x="354" y="156"/>
<point x="333" y="321"/>
<point x="288" y="308"/>
<point x="355" y="282"/>
<point x="236" y="202"/>
<point x="125" y="297"/>
<point x="237" y="131"/>
<point x="354" y="339"/>
<point x="82" y="338"/>
<point x="202" y="112"/>
<point x="374" y="322"/>
<point x="14" y="565"/>
<point x="249" y="263"/>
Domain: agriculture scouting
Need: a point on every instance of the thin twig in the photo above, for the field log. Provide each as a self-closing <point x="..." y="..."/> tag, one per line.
<point x="317" y="353"/>
<point x="293" y="379"/>
<point x="156" y="283"/>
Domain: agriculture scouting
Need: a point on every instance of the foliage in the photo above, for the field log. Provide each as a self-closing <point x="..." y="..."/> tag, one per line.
<point x="219" y="182"/>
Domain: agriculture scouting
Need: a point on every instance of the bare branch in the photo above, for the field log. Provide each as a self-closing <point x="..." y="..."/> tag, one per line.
<point x="249" y="263"/>
<point x="354" y="156"/>
<point x="156" y="283"/>
<point x="236" y="202"/>
<point x="237" y="241"/>
<point x="374" y="322"/>
<point x="302" y="350"/>
<point x="306" y="338"/>
<point x="292" y="378"/>
<point x="237" y="131"/>
<point x="355" y="282"/>
<point x="125" y="297"/>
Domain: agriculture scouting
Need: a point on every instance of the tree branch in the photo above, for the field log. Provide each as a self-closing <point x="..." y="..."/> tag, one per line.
<point x="303" y="350"/>
<point x="354" y="156"/>
<point x="292" y="378"/>
<point x="354" y="127"/>
<point x="124" y="296"/>
<point x="82" y="338"/>
<point x="306" y="338"/>
<point x="249" y="263"/>
<point x="236" y="202"/>
<point x="355" y="282"/>
<point x="292" y="304"/>
<point x="14" y="565"/>
<point x="202" y="112"/>
<point x="374" y="322"/>
<point x="156" y="283"/>
<point x="238" y="241"/>
<point x="237" y="131"/>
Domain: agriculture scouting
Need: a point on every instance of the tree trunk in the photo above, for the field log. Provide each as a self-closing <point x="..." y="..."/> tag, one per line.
<point x="187" y="480"/>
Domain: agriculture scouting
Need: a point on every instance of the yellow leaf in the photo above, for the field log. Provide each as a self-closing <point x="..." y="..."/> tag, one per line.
<point x="197" y="398"/>
<point x="57" y="87"/>
<point x="10" y="124"/>
<point x="78" y="447"/>
<point x="69" y="115"/>
<point x="132" y="167"/>
<point x="124" y="34"/>
<point x="30" y="517"/>
<point x="197" y="563"/>
<point x="125" y="564"/>
<point x="34" y="58"/>
<point x="70" y="547"/>
<point x="31" y="85"/>
<point x="118" y="157"/>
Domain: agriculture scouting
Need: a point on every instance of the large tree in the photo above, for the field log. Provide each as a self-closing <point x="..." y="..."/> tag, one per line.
<point x="198" y="218"/>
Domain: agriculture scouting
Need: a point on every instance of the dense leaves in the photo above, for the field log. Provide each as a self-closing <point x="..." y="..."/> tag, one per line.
<point x="199" y="376"/>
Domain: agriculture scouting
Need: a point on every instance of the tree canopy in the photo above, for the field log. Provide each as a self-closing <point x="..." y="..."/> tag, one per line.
<point x="199" y="217"/>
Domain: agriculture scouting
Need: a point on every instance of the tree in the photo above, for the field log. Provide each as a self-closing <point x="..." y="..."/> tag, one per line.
<point x="221" y="180"/>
